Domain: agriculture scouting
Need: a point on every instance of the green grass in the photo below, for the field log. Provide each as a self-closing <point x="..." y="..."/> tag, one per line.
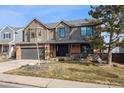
<point x="77" y="72"/>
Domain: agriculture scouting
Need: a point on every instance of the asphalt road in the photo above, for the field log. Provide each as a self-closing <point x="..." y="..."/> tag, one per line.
<point x="9" y="85"/>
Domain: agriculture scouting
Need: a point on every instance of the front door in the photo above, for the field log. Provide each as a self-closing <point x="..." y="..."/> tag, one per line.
<point x="62" y="50"/>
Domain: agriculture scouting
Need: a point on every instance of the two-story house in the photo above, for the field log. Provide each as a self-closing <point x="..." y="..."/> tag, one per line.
<point x="8" y="37"/>
<point x="60" y="39"/>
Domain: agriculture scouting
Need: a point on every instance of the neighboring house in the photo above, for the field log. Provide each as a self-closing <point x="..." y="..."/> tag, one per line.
<point x="8" y="37"/>
<point x="118" y="49"/>
<point x="61" y="39"/>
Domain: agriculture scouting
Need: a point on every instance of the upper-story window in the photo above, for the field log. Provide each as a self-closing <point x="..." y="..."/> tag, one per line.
<point x="7" y="35"/>
<point x="86" y="31"/>
<point x="62" y="32"/>
<point x="39" y="33"/>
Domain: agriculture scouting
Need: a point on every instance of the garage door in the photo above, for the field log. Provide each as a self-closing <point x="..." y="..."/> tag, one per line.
<point x="31" y="53"/>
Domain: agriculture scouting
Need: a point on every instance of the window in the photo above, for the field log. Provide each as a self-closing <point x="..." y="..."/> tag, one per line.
<point x="33" y="35"/>
<point x="7" y="35"/>
<point x="89" y="31"/>
<point x="61" y="32"/>
<point x="86" y="31"/>
<point x="83" y="31"/>
<point x="4" y="35"/>
<point x="39" y="33"/>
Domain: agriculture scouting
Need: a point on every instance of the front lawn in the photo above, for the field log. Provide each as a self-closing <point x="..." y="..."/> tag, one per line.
<point x="72" y="71"/>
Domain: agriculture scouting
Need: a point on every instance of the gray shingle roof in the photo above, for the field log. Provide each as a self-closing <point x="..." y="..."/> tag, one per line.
<point x="72" y="23"/>
<point x="79" y="22"/>
<point x="54" y="42"/>
<point x="16" y="28"/>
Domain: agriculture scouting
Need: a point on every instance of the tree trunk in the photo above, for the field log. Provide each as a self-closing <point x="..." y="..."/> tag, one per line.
<point x="109" y="59"/>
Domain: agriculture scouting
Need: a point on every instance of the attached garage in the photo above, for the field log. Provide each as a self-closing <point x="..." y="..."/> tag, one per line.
<point x="31" y="53"/>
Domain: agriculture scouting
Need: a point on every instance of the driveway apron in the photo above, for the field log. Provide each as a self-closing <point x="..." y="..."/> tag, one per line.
<point x="9" y="65"/>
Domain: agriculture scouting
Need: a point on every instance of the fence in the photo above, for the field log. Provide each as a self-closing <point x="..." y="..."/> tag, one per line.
<point x="116" y="57"/>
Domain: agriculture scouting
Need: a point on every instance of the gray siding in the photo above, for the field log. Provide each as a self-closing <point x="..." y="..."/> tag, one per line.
<point x="71" y="33"/>
<point x="18" y="36"/>
<point x="75" y="34"/>
<point x="7" y="29"/>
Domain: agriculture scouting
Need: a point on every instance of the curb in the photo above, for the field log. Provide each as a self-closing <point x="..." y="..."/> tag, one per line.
<point x="22" y="84"/>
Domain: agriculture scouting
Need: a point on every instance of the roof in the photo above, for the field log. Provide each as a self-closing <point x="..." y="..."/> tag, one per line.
<point x="12" y="28"/>
<point x="16" y="28"/>
<point x="54" y="42"/>
<point x="65" y="41"/>
<point x="72" y="23"/>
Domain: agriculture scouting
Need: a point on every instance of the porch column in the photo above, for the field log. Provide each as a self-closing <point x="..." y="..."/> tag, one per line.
<point x="54" y="50"/>
<point x="18" y="52"/>
<point x="2" y="48"/>
<point x="70" y="46"/>
<point x="10" y="51"/>
<point x="47" y="51"/>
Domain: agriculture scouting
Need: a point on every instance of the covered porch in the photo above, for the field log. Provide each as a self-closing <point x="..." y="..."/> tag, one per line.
<point x="7" y="50"/>
<point x="69" y="49"/>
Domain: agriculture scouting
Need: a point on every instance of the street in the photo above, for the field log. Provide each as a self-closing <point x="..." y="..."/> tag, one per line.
<point x="9" y="85"/>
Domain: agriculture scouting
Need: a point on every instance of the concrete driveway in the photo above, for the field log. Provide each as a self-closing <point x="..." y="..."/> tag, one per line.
<point x="9" y="65"/>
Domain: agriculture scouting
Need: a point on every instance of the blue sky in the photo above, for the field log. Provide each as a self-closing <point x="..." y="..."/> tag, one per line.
<point x="15" y="15"/>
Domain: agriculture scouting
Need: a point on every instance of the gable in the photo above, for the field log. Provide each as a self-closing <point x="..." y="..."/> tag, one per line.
<point x="35" y="24"/>
<point x="62" y="24"/>
<point x="7" y="29"/>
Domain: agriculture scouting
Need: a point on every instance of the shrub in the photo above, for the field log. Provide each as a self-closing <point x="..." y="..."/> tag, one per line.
<point x="61" y="59"/>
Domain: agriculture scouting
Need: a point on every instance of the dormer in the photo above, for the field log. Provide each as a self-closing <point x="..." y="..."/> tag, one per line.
<point x="62" y="31"/>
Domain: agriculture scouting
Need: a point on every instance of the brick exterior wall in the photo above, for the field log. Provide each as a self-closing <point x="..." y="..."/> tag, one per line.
<point x="47" y="51"/>
<point x="18" y="52"/>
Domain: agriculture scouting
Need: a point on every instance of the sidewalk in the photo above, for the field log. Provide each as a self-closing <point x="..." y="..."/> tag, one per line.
<point x="49" y="83"/>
